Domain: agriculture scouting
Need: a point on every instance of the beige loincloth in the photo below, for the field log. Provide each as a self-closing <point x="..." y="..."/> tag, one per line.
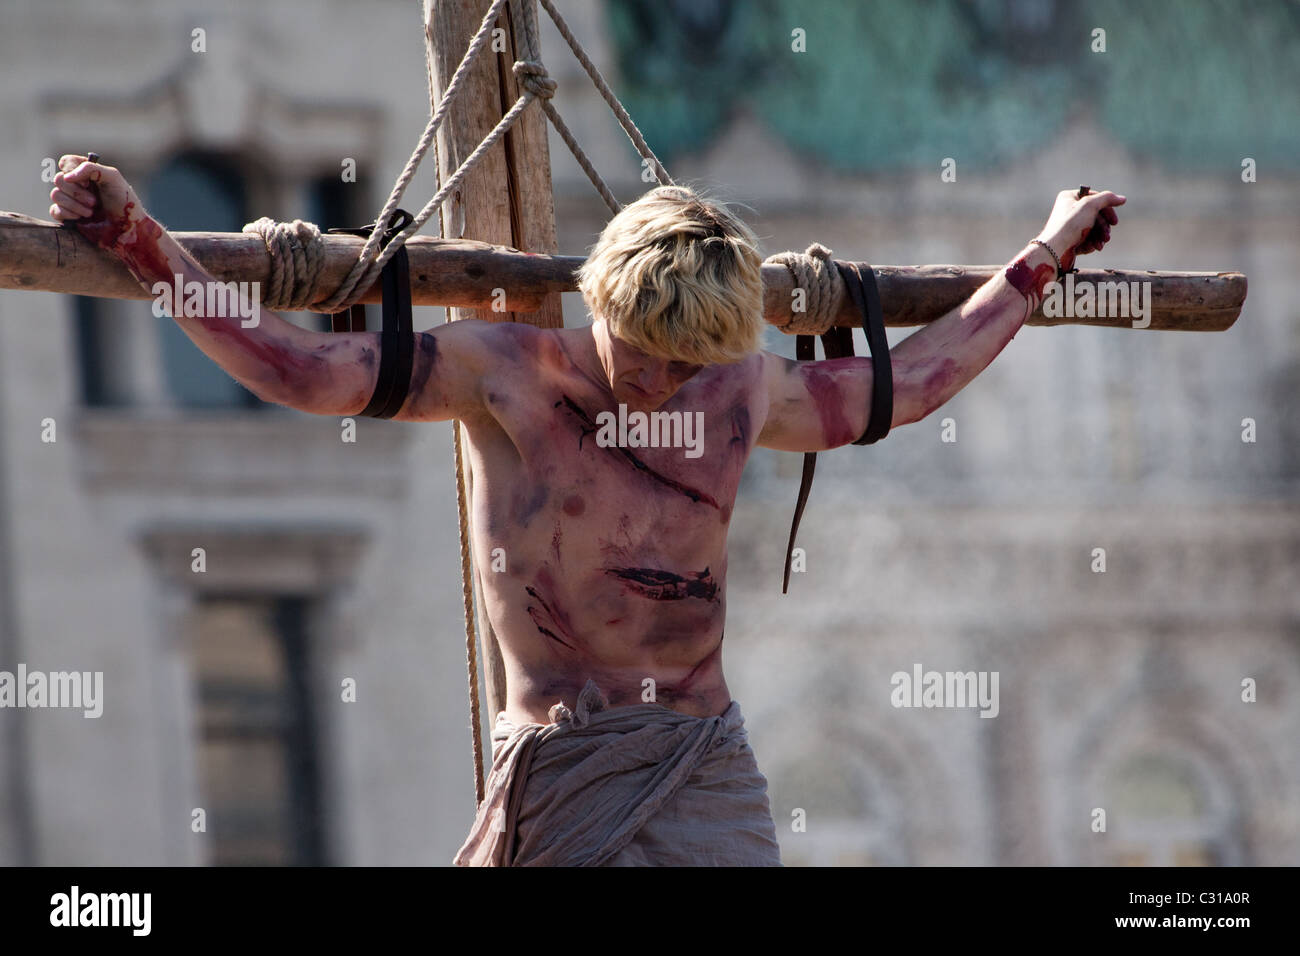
<point x="631" y="786"/>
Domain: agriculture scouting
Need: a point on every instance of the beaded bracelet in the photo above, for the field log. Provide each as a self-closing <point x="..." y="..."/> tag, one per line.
<point x="1055" y="258"/>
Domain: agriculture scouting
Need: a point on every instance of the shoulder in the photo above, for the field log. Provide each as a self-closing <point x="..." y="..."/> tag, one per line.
<point x="519" y="343"/>
<point x="747" y="373"/>
<point x="497" y="345"/>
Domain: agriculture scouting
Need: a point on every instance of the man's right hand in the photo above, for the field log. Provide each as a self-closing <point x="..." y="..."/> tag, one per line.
<point x="96" y="198"/>
<point x="1069" y="230"/>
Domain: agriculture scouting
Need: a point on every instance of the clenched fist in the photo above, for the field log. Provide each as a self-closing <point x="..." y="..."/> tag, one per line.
<point x="96" y="198"/>
<point x="1079" y="225"/>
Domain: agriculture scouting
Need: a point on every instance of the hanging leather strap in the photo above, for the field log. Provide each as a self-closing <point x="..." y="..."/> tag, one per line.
<point x="397" y="335"/>
<point x="837" y="342"/>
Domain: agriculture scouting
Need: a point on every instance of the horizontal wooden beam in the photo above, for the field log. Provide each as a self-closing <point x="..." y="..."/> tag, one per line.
<point x="42" y="256"/>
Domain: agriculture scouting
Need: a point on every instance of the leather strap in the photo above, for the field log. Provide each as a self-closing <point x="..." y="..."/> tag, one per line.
<point x="837" y="342"/>
<point x="397" y="336"/>
<point x="396" y="341"/>
<point x="867" y="298"/>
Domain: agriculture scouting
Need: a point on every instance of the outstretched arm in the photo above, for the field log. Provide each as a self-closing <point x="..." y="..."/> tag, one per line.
<point x="813" y="406"/>
<point x="320" y="372"/>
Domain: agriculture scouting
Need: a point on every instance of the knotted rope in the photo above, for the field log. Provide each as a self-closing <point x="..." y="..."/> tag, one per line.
<point x="297" y="255"/>
<point x="813" y="271"/>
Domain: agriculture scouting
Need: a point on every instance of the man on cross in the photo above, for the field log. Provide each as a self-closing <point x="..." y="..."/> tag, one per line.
<point x="619" y="743"/>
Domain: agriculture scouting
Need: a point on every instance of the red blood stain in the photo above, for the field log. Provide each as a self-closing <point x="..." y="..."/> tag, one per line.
<point x="937" y="376"/>
<point x="140" y="250"/>
<point x="574" y="505"/>
<point x="104" y="230"/>
<point x="828" y="399"/>
<point x="143" y="255"/>
<point x="289" y="364"/>
<point x="1030" y="281"/>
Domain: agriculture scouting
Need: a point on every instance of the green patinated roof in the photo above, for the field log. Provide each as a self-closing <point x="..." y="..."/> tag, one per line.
<point x="888" y="84"/>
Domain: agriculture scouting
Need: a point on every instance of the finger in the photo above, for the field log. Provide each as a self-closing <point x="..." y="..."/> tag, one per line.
<point x="1109" y="213"/>
<point x="60" y="214"/>
<point x="1104" y="200"/>
<point x="69" y="203"/>
<point x="87" y="172"/>
<point x="70" y="161"/>
<point x="79" y="193"/>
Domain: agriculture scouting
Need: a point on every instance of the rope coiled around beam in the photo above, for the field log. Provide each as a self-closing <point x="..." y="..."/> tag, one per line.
<point x="814" y="272"/>
<point x="297" y="260"/>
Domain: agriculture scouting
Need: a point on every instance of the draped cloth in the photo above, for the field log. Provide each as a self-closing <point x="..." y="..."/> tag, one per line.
<point x="627" y="786"/>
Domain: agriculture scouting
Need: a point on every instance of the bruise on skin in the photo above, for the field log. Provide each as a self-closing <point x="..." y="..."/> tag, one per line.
<point x="589" y="427"/>
<point x="524" y="508"/>
<point x="574" y="505"/>
<point x="936" y="375"/>
<point x="426" y="360"/>
<point x="510" y="342"/>
<point x="568" y="681"/>
<point x="981" y="316"/>
<point x="612" y="551"/>
<point x="828" y="399"/>
<point x="684" y="688"/>
<point x="660" y="585"/>
<point x="739" y="429"/>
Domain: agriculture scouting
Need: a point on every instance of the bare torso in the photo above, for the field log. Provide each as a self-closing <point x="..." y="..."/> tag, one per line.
<point x="614" y="559"/>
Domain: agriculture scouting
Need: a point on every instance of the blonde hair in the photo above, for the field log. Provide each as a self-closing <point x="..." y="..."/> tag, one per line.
<point x="678" y="277"/>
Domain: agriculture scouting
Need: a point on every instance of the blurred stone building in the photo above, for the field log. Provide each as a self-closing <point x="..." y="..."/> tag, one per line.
<point x="329" y="562"/>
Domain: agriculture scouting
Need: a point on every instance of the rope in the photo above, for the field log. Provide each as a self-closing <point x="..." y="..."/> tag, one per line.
<point x="813" y="271"/>
<point x="467" y="597"/>
<point x="462" y="509"/>
<point x="642" y="147"/>
<point x="295" y="246"/>
<point x="297" y="252"/>
<point x="364" y="267"/>
<point x="297" y="255"/>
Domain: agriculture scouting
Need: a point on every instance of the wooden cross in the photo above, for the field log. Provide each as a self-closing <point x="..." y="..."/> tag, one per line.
<point x="506" y="206"/>
<point x="41" y="256"/>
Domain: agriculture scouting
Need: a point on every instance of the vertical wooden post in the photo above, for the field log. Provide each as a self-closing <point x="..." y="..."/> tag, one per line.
<point x="506" y="199"/>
